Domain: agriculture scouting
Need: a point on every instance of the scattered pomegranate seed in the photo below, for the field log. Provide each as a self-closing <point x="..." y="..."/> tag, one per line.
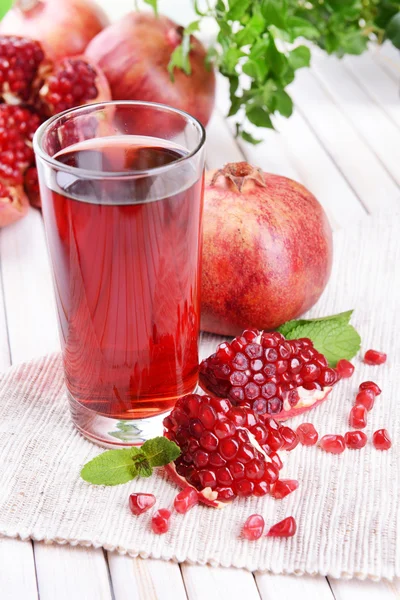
<point x="160" y="521"/>
<point x="276" y="459"/>
<point x="307" y="434"/>
<point x="333" y="444"/>
<point x="370" y="385"/>
<point x="185" y="500"/>
<point x="284" y="487"/>
<point x="373" y="357"/>
<point x="253" y="527"/>
<point x="381" y="439"/>
<point x="139" y="503"/>
<point x="345" y="368"/>
<point x="366" y="398"/>
<point x="290" y="439"/>
<point x="285" y="528"/>
<point x="355" y="439"/>
<point x="358" y="416"/>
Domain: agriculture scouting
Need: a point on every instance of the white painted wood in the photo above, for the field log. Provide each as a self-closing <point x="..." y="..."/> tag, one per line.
<point x="79" y="574"/>
<point x="380" y="86"/>
<point x="215" y="583"/>
<point x="371" y="122"/>
<point x="17" y="570"/>
<point x="137" y="579"/>
<point x="221" y="145"/>
<point x="365" y="590"/>
<point x="359" y="165"/>
<point x="284" y="587"/>
<point x="388" y="57"/>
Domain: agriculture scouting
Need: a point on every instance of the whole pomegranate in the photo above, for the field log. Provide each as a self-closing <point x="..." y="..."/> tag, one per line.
<point x="267" y="250"/>
<point x="64" y="27"/>
<point x="134" y="53"/>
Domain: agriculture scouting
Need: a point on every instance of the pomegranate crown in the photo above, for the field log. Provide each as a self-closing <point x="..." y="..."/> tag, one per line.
<point x="239" y="173"/>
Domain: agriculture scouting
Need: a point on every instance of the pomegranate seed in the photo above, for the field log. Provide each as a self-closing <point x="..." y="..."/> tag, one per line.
<point x="226" y="494"/>
<point x="358" y="417"/>
<point x="207" y="479"/>
<point x="307" y="434"/>
<point x="355" y="439"/>
<point x="284" y="487"/>
<point x="373" y="357"/>
<point x="276" y="459"/>
<point x="290" y="439"/>
<point x="332" y="443"/>
<point x="185" y="500"/>
<point x="271" y="473"/>
<point x="370" y="385"/>
<point x="20" y="59"/>
<point x="261" y="488"/>
<point x="139" y="503"/>
<point x="243" y="487"/>
<point x="285" y="528"/>
<point x="224" y="477"/>
<point x="365" y="398"/>
<point x="381" y="439"/>
<point x="160" y="521"/>
<point x="255" y="469"/>
<point x="208" y="441"/>
<point x="207" y="416"/>
<point x="224" y="428"/>
<point x="345" y="368"/>
<point x="253" y="527"/>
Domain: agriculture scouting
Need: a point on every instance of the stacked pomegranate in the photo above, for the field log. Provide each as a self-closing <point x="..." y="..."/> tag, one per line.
<point x="33" y="88"/>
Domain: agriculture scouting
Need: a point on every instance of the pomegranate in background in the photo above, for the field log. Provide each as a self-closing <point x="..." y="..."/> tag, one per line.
<point x="13" y="203"/>
<point x="267" y="250"/>
<point x="64" y="27"/>
<point x="134" y="53"/>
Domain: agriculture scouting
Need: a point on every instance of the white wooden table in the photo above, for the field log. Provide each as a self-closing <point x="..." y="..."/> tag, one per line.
<point x="343" y="142"/>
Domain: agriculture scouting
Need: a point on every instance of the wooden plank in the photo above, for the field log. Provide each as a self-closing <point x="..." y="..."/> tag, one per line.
<point x="285" y="587"/>
<point x="371" y="122"/>
<point x="137" y="579"/>
<point x="388" y="57"/>
<point x="78" y="573"/>
<point x="365" y="590"/>
<point x="216" y="583"/>
<point x="221" y="145"/>
<point x="17" y="570"/>
<point x="364" y="172"/>
<point x="380" y="86"/>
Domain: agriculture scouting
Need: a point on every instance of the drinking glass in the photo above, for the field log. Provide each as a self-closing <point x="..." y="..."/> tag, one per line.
<point x="121" y="185"/>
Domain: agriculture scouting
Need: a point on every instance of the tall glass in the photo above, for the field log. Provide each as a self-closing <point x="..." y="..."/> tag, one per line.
<point x="122" y="188"/>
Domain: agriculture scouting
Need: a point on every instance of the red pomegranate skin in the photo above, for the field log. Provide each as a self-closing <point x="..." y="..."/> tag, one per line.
<point x="267" y="253"/>
<point x="134" y="54"/>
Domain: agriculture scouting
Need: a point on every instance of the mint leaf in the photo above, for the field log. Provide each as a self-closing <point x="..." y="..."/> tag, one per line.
<point x="274" y="12"/>
<point x="333" y="336"/>
<point x="111" y="468"/>
<point x="5" y="6"/>
<point x="159" y="451"/>
<point x="300" y="57"/>
<point x="180" y="56"/>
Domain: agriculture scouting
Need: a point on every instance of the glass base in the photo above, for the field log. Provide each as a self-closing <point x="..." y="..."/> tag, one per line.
<point x="114" y="433"/>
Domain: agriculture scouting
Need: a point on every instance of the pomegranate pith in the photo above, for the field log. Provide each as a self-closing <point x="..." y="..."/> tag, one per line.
<point x="355" y="439"/>
<point x="373" y="357"/>
<point x="345" y="368"/>
<point x="285" y="528"/>
<point x="273" y="376"/>
<point x="283" y="488"/>
<point x="370" y="385"/>
<point x="334" y="444"/>
<point x="140" y="503"/>
<point x="307" y="434"/>
<point x="358" y="416"/>
<point x="381" y="439"/>
<point x="253" y="527"/>
<point x="160" y="521"/>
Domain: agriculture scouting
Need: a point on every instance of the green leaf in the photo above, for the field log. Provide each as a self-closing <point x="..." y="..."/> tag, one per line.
<point x="111" y="468"/>
<point x="393" y="30"/>
<point x="353" y="42"/>
<point x="180" y="56"/>
<point x="284" y="103"/>
<point x="333" y="336"/>
<point x="277" y="60"/>
<point x="160" y="451"/>
<point x="259" y="116"/>
<point x="300" y="57"/>
<point x="274" y="12"/>
<point x="249" y="138"/>
<point x="299" y="27"/>
<point x="5" y="6"/>
<point x="237" y="8"/>
<point x="153" y="4"/>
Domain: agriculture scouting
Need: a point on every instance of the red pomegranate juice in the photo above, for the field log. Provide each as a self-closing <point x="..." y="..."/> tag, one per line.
<point x="127" y="276"/>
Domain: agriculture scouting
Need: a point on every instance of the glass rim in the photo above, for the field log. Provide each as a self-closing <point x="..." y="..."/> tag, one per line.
<point x="91" y="174"/>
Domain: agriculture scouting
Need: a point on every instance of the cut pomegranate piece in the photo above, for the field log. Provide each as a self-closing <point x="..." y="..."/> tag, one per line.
<point x="253" y="527"/>
<point x="185" y="500"/>
<point x="17" y="127"/>
<point x="345" y="368"/>
<point x="285" y="528"/>
<point x="366" y="398"/>
<point x="160" y="521"/>
<point x="333" y="443"/>
<point x="139" y="503"/>
<point x="307" y="434"/>
<point x="227" y="459"/>
<point x="355" y="439"/>
<point x="284" y="487"/>
<point x="358" y="416"/>
<point x="274" y="376"/>
<point x="20" y="60"/>
<point x="290" y="439"/>
<point x="13" y="204"/>
<point x="370" y="385"/>
<point x="373" y="357"/>
<point x="381" y="439"/>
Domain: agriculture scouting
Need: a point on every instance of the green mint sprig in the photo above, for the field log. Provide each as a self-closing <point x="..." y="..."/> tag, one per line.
<point x="333" y="336"/>
<point x="114" y="467"/>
